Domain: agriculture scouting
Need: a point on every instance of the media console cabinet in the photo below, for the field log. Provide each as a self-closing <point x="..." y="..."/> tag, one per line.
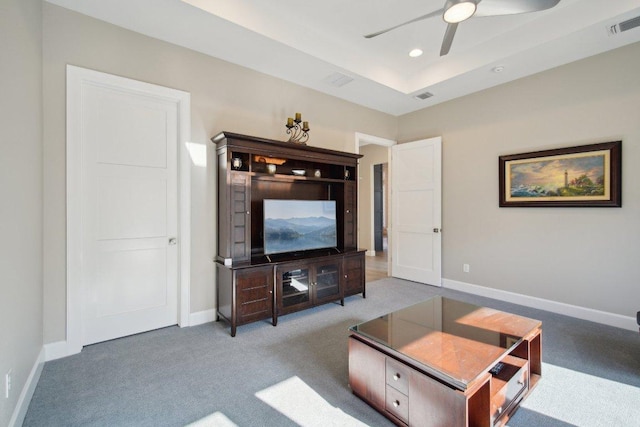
<point x="252" y="286"/>
<point x="445" y="363"/>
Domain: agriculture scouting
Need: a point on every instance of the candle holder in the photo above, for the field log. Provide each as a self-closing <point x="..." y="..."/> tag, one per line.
<point x="298" y="134"/>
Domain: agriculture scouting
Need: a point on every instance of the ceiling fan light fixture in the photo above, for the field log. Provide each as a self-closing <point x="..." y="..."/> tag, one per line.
<point x="458" y="10"/>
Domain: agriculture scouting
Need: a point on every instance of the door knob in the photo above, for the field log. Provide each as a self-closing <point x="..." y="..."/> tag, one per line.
<point x="173" y="240"/>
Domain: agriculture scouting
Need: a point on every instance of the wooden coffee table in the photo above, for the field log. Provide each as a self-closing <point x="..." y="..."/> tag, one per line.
<point x="443" y="362"/>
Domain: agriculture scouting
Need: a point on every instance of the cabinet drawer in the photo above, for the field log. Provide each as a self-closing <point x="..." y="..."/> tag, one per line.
<point x="255" y="303"/>
<point x="250" y="294"/>
<point x="397" y="376"/>
<point x="249" y="280"/>
<point x="397" y="404"/>
<point x="508" y="386"/>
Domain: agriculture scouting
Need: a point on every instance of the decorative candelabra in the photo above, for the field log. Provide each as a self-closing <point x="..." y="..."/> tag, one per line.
<point x="297" y="134"/>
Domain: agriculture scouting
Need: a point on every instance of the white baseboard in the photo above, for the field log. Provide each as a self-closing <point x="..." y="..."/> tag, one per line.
<point x="20" y="411"/>
<point x="584" y="313"/>
<point x="370" y="252"/>
<point x="201" y="317"/>
<point x="59" y="349"/>
<point x="56" y="350"/>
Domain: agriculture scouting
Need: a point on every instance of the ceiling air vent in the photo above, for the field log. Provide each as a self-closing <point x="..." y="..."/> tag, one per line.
<point x="423" y="95"/>
<point x="624" y="26"/>
<point x="338" y="79"/>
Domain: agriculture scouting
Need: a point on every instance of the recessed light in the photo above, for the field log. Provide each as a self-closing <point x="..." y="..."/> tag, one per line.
<point x="415" y="53"/>
<point x="498" y="69"/>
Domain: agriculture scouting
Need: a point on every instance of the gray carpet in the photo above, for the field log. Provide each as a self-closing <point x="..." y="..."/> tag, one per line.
<point x="296" y="373"/>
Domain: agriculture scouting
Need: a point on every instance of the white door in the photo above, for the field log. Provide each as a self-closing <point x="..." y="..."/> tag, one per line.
<point x="416" y="249"/>
<point x="128" y="200"/>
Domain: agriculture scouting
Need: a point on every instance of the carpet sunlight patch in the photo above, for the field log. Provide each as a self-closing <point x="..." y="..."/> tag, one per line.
<point x="217" y="419"/>
<point x="580" y="392"/>
<point x="300" y="403"/>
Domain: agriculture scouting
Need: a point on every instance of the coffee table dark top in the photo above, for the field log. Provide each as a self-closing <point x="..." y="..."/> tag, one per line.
<point x="452" y="340"/>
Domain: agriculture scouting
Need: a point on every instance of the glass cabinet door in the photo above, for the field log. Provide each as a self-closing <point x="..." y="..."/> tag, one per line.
<point x="327" y="281"/>
<point x="295" y="287"/>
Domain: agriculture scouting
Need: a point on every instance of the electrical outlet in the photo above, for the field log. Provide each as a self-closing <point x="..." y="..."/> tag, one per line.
<point x="7" y="384"/>
<point x="465" y="268"/>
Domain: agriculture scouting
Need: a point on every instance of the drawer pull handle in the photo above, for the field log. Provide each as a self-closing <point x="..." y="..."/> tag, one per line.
<point x="396" y="403"/>
<point x="396" y="377"/>
<point x="520" y="382"/>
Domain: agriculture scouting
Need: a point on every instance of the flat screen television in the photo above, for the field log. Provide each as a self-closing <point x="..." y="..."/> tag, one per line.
<point x="299" y="225"/>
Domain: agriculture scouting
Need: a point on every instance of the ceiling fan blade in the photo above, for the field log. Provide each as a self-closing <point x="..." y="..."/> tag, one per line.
<point x="448" y="39"/>
<point x="512" y="7"/>
<point x="419" y="18"/>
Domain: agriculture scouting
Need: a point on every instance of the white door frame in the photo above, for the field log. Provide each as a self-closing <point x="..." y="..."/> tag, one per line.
<point x="364" y="139"/>
<point x="76" y="78"/>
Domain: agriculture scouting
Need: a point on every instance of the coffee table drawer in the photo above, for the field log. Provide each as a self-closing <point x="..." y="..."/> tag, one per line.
<point x="397" y="376"/>
<point x="397" y="404"/>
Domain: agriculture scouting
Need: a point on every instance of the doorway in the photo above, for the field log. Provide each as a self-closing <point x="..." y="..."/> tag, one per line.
<point x="379" y="206"/>
<point x="377" y="266"/>
<point x="374" y="204"/>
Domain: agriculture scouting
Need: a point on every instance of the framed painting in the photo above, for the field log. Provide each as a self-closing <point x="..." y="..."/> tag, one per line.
<point x="583" y="176"/>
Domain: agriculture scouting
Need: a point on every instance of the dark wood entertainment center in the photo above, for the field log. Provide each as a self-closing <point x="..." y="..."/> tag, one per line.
<point x="252" y="286"/>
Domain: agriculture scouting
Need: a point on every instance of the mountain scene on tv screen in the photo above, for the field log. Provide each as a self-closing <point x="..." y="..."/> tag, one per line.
<point x="298" y="234"/>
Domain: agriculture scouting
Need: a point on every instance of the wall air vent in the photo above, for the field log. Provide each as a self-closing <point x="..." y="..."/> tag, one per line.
<point x="624" y="26"/>
<point x="423" y="96"/>
<point x="338" y="79"/>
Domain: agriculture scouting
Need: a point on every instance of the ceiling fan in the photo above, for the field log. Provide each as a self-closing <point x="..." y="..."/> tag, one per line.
<point x="456" y="11"/>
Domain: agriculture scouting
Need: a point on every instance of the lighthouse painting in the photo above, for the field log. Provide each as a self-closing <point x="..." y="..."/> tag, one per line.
<point x="577" y="176"/>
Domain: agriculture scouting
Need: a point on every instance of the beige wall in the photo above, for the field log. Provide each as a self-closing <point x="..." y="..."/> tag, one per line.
<point x="20" y="195"/>
<point x="223" y="97"/>
<point x="577" y="256"/>
<point x="372" y="155"/>
<point x="581" y="256"/>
